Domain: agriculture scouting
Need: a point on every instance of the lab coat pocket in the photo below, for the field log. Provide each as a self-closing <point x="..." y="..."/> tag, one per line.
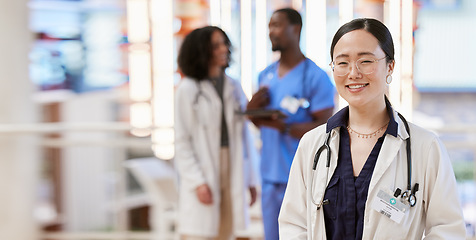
<point x="330" y="198"/>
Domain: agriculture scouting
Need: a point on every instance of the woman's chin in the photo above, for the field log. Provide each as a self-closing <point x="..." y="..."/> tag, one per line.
<point x="355" y="101"/>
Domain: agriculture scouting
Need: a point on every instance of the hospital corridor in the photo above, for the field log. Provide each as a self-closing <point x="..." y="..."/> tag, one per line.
<point x="159" y="119"/>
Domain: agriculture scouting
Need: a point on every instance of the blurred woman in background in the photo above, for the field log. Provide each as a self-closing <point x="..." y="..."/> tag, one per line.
<point x="212" y="151"/>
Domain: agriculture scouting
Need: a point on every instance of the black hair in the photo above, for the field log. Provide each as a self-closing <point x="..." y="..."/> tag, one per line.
<point x="374" y="27"/>
<point x="195" y="53"/>
<point x="293" y="16"/>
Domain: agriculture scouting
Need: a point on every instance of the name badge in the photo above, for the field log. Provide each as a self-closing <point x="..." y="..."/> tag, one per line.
<point x="390" y="206"/>
<point x="291" y="104"/>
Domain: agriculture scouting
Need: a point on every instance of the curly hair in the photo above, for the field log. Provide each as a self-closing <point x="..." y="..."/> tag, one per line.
<point x="195" y="53"/>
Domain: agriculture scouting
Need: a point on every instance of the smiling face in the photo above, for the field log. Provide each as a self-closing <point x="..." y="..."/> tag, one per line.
<point x="220" y="50"/>
<point x="358" y="89"/>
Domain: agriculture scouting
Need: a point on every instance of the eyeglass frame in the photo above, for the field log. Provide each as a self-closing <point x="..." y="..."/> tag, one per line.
<point x="332" y="65"/>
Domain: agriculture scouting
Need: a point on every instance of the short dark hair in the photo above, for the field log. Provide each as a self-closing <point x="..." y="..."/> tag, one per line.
<point x="196" y="52"/>
<point x="374" y="27"/>
<point x="293" y="16"/>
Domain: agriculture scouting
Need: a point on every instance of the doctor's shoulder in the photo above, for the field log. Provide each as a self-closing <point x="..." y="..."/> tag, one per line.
<point x="430" y="157"/>
<point x="271" y="67"/>
<point x="317" y="71"/>
<point x="315" y="135"/>
<point x="187" y="86"/>
<point x="312" y="139"/>
<point x="423" y="140"/>
<point x="268" y="72"/>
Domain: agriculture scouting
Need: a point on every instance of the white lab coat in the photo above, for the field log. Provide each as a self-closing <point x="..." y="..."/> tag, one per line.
<point x="437" y="213"/>
<point x="198" y="114"/>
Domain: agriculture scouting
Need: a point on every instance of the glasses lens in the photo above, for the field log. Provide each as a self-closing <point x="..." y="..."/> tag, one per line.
<point x="366" y="66"/>
<point x="341" y="68"/>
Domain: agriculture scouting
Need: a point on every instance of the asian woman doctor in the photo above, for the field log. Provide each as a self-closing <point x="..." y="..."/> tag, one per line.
<point x="368" y="180"/>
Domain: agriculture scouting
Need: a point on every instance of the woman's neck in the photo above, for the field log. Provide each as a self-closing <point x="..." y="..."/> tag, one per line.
<point x="368" y="118"/>
<point x="291" y="58"/>
<point x="215" y="72"/>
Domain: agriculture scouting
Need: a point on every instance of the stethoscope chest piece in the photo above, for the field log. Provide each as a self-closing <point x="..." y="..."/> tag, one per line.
<point x="412" y="200"/>
<point x="410" y="197"/>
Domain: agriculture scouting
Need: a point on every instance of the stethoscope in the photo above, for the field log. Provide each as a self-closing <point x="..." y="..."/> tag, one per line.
<point x="201" y="94"/>
<point x="408" y="195"/>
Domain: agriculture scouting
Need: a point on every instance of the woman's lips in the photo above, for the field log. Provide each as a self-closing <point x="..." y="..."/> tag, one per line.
<point x="357" y="86"/>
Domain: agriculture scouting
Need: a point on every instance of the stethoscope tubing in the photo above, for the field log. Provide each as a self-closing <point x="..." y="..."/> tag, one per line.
<point x="319" y="151"/>
<point x="409" y="153"/>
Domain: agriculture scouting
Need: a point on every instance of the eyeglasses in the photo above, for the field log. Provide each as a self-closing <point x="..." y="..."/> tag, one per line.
<point x="364" y="65"/>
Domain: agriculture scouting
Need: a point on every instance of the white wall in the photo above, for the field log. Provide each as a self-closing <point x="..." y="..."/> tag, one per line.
<point x="445" y="49"/>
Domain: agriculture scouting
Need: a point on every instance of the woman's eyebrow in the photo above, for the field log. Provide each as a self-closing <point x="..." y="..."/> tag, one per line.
<point x="342" y="55"/>
<point x="358" y="54"/>
<point x="365" y="53"/>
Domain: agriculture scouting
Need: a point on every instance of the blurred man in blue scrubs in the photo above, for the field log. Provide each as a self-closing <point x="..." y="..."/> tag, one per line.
<point x="301" y="90"/>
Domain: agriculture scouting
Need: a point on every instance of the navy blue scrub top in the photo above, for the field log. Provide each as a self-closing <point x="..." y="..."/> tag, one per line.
<point x="344" y="214"/>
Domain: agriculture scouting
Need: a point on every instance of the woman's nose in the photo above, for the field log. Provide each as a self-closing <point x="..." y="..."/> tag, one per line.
<point x="354" y="71"/>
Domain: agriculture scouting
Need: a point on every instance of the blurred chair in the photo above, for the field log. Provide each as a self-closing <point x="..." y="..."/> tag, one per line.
<point x="158" y="180"/>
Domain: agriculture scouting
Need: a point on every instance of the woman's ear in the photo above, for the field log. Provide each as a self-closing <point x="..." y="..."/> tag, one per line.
<point x="390" y="67"/>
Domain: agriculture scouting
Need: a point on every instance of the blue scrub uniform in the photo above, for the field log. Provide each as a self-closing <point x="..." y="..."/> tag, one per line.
<point x="305" y="81"/>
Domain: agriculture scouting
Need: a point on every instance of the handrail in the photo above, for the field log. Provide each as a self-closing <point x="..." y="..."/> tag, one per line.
<point x="46" y="128"/>
<point x="56" y="127"/>
<point x="124" y="235"/>
<point x="105" y="142"/>
<point x="115" y="126"/>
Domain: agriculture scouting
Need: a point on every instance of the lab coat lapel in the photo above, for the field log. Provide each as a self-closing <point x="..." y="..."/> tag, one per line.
<point x="228" y="101"/>
<point x="388" y="152"/>
<point x="227" y="93"/>
<point x="334" y="144"/>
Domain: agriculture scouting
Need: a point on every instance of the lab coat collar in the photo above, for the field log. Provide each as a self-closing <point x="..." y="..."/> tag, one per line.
<point x="402" y="131"/>
<point x="207" y="86"/>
